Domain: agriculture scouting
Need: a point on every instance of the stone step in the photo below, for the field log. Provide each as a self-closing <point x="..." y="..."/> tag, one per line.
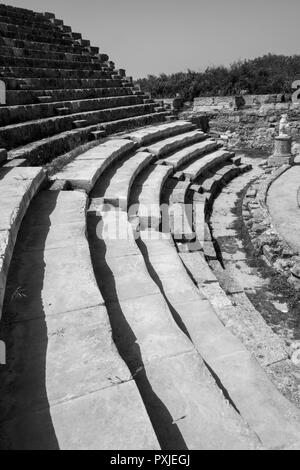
<point x="33" y="36"/>
<point x="10" y="61"/>
<point x="15" y="97"/>
<point x="17" y="31"/>
<point x="99" y="392"/>
<point x="22" y="73"/>
<point x="273" y="419"/>
<point x="212" y="182"/>
<point x="84" y="171"/>
<point x="133" y="123"/>
<point x="17" y="187"/>
<point x="117" y="182"/>
<point x="46" y="150"/>
<point x="151" y="134"/>
<point x="148" y="190"/>
<point x="60" y="83"/>
<point x="40" y="54"/>
<point x="183" y="401"/>
<point x="32" y="23"/>
<point x="206" y="163"/>
<point x="184" y="156"/>
<point x="21" y="134"/>
<point x="17" y="114"/>
<point x="69" y="47"/>
<point x="166" y="146"/>
<point x="181" y="212"/>
<point x="39" y="20"/>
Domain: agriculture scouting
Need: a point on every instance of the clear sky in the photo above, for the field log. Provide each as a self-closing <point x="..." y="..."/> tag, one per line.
<point x="156" y="36"/>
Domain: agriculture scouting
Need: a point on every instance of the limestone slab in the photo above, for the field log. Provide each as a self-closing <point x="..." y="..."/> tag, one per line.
<point x="124" y="278"/>
<point x="42" y="275"/>
<point x="149" y="197"/>
<point x="166" y="146"/>
<point x="84" y="171"/>
<point x="107" y="420"/>
<point x="68" y="355"/>
<point x="198" y="268"/>
<point x="120" y="184"/>
<point x="193" y="151"/>
<point x="152" y="133"/>
<point x="53" y="208"/>
<point x="17" y="188"/>
<point x="195" y="169"/>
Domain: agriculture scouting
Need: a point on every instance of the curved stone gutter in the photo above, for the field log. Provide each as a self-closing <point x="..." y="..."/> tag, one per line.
<point x="266" y="239"/>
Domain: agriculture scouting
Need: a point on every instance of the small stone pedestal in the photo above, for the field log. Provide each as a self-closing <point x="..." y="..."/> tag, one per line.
<point x="283" y="151"/>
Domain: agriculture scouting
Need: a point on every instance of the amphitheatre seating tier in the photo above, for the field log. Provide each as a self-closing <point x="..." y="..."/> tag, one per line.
<point x="85" y="170"/>
<point x="192" y="152"/>
<point x="180" y="212"/>
<point x="17" y="187"/>
<point x="224" y="353"/>
<point x="23" y="133"/>
<point x="166" y="146"/>
<point x="150" y="134"/>
<point x="20" y="97"/>
<point x="124" y="335"/>
<point x="195" y="169"/>
<point x="118" y="185"/>
<point x="46" y="149"/>
<point x="22" y="113"/>
<point x="54" y="246"/>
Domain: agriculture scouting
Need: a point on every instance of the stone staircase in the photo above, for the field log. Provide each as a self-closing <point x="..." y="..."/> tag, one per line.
<point x="60" y="91"/>
<point x="115" y="332"/>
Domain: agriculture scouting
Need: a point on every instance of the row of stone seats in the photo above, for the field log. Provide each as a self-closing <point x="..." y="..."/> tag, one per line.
<point x="226" y="356"/>
<point x="40" y="54"/>
<point x="46" y="149"/>
<point x="65" y="367"/>
<point x="15" y="135"/>
<point x="17" y="114"/>
<point x="49" y="73"/>
<point x="48" y="47"/>
<point x="111" y="151"/>
<point x="61" y="83"/>
<point x="17" y="188"/>
<point x="43" y="62"/>
<point x="22" y="97"/>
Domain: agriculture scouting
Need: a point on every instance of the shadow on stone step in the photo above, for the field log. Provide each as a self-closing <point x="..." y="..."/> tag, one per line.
<point x="26" y="422"/>
<point x="167" y="432"/>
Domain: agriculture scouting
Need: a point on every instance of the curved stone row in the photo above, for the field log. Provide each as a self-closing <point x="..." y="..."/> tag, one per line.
<point x="68" y="387"/>
<point x="272" y="231"/>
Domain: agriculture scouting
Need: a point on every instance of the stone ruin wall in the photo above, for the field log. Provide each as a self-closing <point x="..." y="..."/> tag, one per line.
<point x="231" y="102"/>
<point x="252" y="127"/>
